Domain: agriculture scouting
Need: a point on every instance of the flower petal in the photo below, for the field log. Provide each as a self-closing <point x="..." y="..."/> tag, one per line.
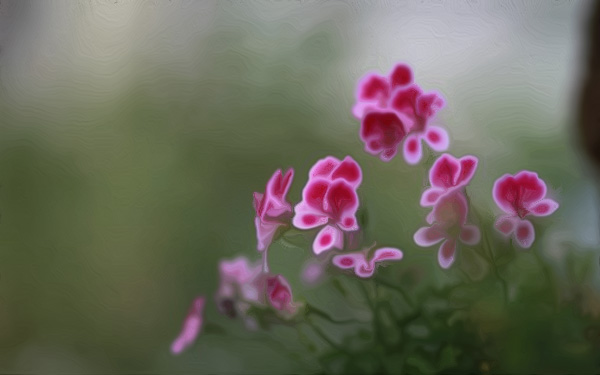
<point x="514" y="194"/>
<point x="364" y="269"/>
<point x="412" y="149"/>
<point x="372" y="87"/>
<point x="451" y="210"/>
<point x="446" y="253"/>
<point x="347" y="261"/>
<point x="444" y="171"/>
<point x="404" y="100"/>
<point x="387" y="253"/>
<point x="323" y="167"/>
<point x="437" y="138"/>
<point x="506" y="224"/>
<point x="265" y="232"/>
<point x="328" y="238"/>
<point x="192" y="325"/>
<point x="341" y="202"/>
<point x="470" y="235"/>
<point x="279" y="294"/>
<point x="430" y="196"/>
<point x="524" y="234"/>
<point x="428" y="104"/>
<point x="428" y="236"/>
<point x="314" y="192"/>
<point x="349" y="170"/>
<point x="401" y="75"/>
<point x="382" y="131"/>
<point x="544" y="207"/>
<point x="307" y="217"/>
<point x="468" y="165"/>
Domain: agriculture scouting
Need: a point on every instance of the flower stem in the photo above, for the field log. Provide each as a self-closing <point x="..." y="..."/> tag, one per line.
<point x="313" y="310"/>
<point x="323" y="335"/>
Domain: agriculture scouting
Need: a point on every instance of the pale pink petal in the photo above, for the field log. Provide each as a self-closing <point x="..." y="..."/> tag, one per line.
<point x="192" y="325"/>
<point x="430" y="196"/>
<point x="451" y="210"/>
<point x="313" y="272"/>
<point x="444" y="171"/>
<point x="347" y="261"/>
<point x="430" y="218"/>
<point x="470" y="235"/>
<point x="524" y="233"/>
<point x="324" y="167"/>
<point x="387" y="253"/>
<point x="544" y="207"/>
<point x="364" y="269"/>
<point x="428" y="236"/>
<point x="277" y="189"/>
<point x="329" y="237"/>
<point x="265" y="232"/>
<point x="437" y="138"/>
<point x="239" y="270"/>
<point x="348" y="170"/>
<point x="506" y="224"/>
<point x="307" y="217"/>
<point x="446" y="253"/>
<point x="412" y="149"/>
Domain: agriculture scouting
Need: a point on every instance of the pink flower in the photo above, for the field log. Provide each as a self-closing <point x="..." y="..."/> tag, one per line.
<point x="279" y="294"/>
<point x="272" y="207"/>
<point x="329" y="200"/>
<point x="447" y="174"/>
<point x="241" y="284"/>
<point x="448" y="219"/>
<point x="419" y="108"/>
<point x="519" y="196"/>
<point x="382" y="132"/>
<point x="362" y="266"/>
<point x="374" y="91"/>
<point x="192" y="325"/>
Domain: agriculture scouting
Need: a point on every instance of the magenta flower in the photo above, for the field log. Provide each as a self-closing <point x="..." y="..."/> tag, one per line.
<point x="519" y="196"/>
<point x="272" y="209"/>
<point x="279" y="294"/>
<point x="382" y="132"/>
<point x="364" y="267"/>
<point x="448" y="223"/>
<point x="374" y="91"/>
<point x="419" y="108"/>
<point x="329" y="200"/>
<point x="241" y="284"/>
<point x="192" y="325"/>
<point x="446" y="174"/>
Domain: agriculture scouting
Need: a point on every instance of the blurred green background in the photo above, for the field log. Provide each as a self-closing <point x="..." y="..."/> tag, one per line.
<point x="132" y="135"/>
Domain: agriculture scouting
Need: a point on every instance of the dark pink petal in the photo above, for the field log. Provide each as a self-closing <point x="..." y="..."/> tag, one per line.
<point x="373" y="87"/>
<point x="307" y="217"/>
<point x="430" y="196"/>
<point x="404" y="100"/>
<point x="279" y="294"/>
<point x="401" y="75"/>
<point x="328" y="238"/>
<point x="341" y="201"/>
<point x="506" y="224"/>
<point x="314" y="192"/>
<point x="347" y="261"/>
<point x="412" y="149"/>
<point x="348" y="170"/>
<point x="192" y="325"/>
<point x="382" y="132"/>
<point x="468" y="165"/>
<point x="446" y="253"/>
<point x="451" y="210"/>
<point x="265" y="232"/>
<point x="514" y="194"/>
<point x="470" y="235"/>
<point x="428" y="104"/>
<point x="324" y="167"/>
<point x="444" y="172"/>
<point x="428" y="236"/>
<point x="437" y="138"/>
<point x="524" y="233"/>
<point x="544" y="207"/>
<point x="387" y="253"/>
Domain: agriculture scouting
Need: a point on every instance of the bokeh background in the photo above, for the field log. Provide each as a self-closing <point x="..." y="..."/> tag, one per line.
<point x="132" y="135"/>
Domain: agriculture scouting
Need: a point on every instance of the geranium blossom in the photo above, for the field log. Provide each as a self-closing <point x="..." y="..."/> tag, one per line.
<point x="446" y="174"/>
<point x="419" y="108"/>
<point x="272" y="209"/>
<point x="363" y="266"/>
<point x="279" y="294"/>
<point x="448" y="224"/>
<point x="382" y="133"/>
<point x="329" y="200"/>
<point x="192" y="325"/>
<point x="374" y="91"/>
<point x="519" y="196"/>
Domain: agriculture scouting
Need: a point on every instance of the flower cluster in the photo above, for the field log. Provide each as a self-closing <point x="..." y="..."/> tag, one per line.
<point x="393" y="110"/>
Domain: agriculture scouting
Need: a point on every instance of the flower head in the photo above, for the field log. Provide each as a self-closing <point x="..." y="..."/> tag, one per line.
<point x="241" y="285"/>
<point x="272" y="209"/>
<point x="329" y="200"/>
<point x="363" y="265"/>
<point x="448" y="224"/>
<point x="192" y="325"/>
<point x="279" y="294"/>
<point x="446" y="174"/>
<point x="519" y="196"/>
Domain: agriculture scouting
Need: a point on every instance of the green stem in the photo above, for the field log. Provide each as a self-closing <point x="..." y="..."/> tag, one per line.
<point x="313" y="310"/>
<point x="387" y="284"/>
<point x="548" y="276"/>
<point x="323" y="335"/>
